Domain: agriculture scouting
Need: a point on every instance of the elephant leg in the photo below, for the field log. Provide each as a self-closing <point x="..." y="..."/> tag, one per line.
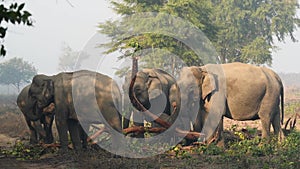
<point x="49" y="136"/>
<point x="126" y="119"/>
<point x="219" y="135"/>
<point x="276" y="125"/>
<point x="62" y="129"/>
<point x="138" y="119"/>
<point x="265" y="124"/>
<point x="33" y="133"/>
<point x="115" y="123"/>
<point x="265" y="115"/>
<point x="75" y="130"/>
<point x="48" y="128"/>
<point x="83" y="136"/>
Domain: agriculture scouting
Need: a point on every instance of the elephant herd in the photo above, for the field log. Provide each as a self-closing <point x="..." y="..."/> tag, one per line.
<point x="200" y="96"/>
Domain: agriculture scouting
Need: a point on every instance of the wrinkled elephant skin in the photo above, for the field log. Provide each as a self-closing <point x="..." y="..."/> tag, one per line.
<point x="80" y="96"/>
<point x="235" y="90"/>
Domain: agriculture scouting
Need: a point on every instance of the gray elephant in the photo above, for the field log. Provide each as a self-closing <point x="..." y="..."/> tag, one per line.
<point x="81" y="96"/>
<point x="234" y="90"/>
<point x="38" y="120"/>
<point x="157" y="91"/>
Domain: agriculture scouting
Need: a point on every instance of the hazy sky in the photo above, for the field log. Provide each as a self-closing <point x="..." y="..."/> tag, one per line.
<point x="56" y="22"/>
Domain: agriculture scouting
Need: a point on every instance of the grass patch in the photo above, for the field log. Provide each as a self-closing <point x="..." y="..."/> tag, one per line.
<point x="250" y="153"/>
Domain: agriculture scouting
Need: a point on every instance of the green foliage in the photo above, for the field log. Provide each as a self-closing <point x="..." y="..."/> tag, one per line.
<point x="248" y="153"/>
<point x="291" y="108"/>
<point x="16" y="71"/>
<point x="23" y="152"/>
<point x="14" y="14"/>
<point x="158" y="48"/>
<point x="240" y="30"/>
<point x="247" y="28"/>
<point x="212" y="149"/>
<point x="273" y="154"/>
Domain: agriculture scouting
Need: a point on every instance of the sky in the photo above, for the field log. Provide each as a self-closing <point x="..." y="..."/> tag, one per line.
<point x="74" y="22"/>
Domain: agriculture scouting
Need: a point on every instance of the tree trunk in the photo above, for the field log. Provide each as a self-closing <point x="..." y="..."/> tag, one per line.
<point x="135" y="67"/>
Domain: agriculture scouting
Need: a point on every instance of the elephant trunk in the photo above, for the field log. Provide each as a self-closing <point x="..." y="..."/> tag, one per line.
<point x="34" y="115"/>
<point x="140" y="106"/>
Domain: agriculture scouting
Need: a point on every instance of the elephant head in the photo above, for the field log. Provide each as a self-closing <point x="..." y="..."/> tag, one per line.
<point x="197" y="85"/>
<point x="42" y="89"/>
<point x="147" y="85"/>
<point x="151" y="88"/>
<point x="36" y="117"/>
<point x="28" y="104"/>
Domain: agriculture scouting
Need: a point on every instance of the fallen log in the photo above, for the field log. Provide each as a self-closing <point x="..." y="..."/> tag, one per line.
<point x="142" y="129"/>
<point x="182" y="133"/>
<point x="97" y="133"/>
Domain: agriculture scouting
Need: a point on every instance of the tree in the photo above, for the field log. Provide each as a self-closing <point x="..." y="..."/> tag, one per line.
<point x="70" y="60"/>
<point x="240" y="30"/>
<point x="14" y="14"/>
<point x="248" y="28"/>
<point x="16" y="72"/>
<point x="146" y="44"/>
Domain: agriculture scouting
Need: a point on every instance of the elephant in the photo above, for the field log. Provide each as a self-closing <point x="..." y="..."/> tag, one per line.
<point x="157" y="91"/>
<point x="81" y="98"/>
<point x="36" y="117"/>
<point x="235" y="90"/>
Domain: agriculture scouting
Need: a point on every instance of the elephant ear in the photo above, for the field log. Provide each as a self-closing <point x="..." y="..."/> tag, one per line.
<point x="154" y="83"/>
<point x="197" y="72"/>
<point x="208" y="84"/>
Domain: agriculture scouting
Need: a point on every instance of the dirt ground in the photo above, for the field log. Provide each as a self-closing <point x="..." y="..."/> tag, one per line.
<point x="13" y="129"/>
<point x="94" y="157"/>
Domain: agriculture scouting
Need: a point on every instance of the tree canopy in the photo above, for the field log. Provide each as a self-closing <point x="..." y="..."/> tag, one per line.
<point x="16" y="71"/>
<point x="14" y="14"/>
<point x="164" y="28"/>
<point x="248" y="28"/>
<point x="239" y="30"/>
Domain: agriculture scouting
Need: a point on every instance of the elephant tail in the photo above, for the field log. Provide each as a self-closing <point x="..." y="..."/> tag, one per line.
<point x="282" y="103"/>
